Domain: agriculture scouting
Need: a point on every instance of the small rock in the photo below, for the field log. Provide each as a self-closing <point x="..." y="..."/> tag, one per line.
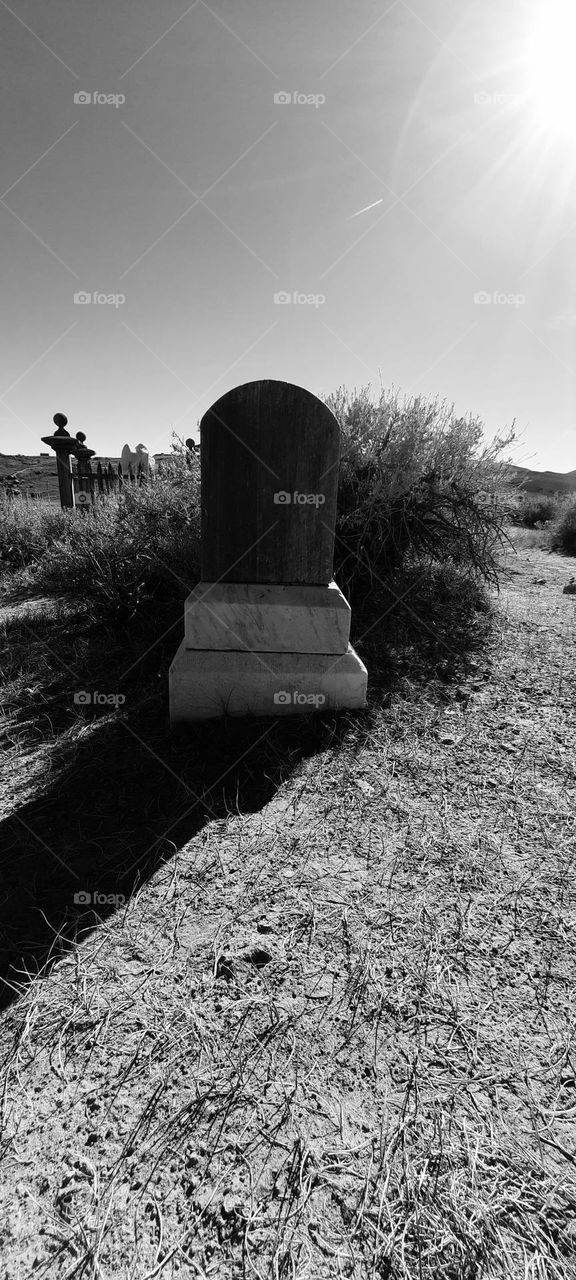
<point x="224" y="968"/>
<point x="570" y="588"/>
<point x="258" y="957"/>
<point x="230" y="1204"/>
<point x="346" y="1211"/>
<point x="481" y="698"/>
<point x="366" y="787"/>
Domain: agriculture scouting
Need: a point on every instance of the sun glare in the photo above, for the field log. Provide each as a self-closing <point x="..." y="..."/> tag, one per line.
<point x="552" y="63"/>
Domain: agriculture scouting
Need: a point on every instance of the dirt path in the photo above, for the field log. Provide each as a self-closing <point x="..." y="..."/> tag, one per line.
<point x="335" y="1037"/>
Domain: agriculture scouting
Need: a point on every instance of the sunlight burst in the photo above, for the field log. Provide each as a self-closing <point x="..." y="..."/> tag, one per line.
<point x="552" y="61"/>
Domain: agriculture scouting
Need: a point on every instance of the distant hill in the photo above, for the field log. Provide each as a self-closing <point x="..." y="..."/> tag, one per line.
<point x="543" y="481"/>
<point x="37" y="475"/>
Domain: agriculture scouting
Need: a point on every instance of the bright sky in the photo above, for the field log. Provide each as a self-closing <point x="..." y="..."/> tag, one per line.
<point x="428" y="157"/>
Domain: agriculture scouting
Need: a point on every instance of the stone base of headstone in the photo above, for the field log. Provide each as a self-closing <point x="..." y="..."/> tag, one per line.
<point x="267" y="618"/>
<point x="205" y="684"/>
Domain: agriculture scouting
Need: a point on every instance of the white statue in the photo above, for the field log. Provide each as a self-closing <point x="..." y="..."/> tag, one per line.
<point x="141" y="456"/>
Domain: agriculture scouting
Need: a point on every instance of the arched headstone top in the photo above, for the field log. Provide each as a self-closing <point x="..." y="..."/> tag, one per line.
<point x="269" y="456"/>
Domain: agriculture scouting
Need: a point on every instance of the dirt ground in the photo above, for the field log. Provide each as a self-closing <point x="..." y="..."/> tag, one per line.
<point x="335" y="1036"/>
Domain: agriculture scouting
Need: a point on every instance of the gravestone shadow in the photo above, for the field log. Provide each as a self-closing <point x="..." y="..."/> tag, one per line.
<point x="125" y="793"/>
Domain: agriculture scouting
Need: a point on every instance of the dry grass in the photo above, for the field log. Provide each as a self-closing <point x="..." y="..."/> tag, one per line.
<point x="332" y="1032"/>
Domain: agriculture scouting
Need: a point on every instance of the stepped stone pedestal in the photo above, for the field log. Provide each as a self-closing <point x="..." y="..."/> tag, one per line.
<point x="267" y="617"/>
<point x="205" y="683"/>
<point x="253" y="649"/>
<point x="267" y="629"/>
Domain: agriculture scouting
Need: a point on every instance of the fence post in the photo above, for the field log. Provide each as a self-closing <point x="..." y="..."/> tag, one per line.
<point x="84" y="470"/>
<point x="100" y="478"/>
<point x="64" y="446"/>
<point x="120" y="477"/>
<point x="192" y="451"/>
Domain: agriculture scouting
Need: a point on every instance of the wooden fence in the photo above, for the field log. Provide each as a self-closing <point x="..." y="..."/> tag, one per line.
<point x="109" y="479"/>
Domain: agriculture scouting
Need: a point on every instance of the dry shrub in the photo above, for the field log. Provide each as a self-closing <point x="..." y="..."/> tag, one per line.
<point x="563" y="531"/>
<point x="416" y="486"/>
